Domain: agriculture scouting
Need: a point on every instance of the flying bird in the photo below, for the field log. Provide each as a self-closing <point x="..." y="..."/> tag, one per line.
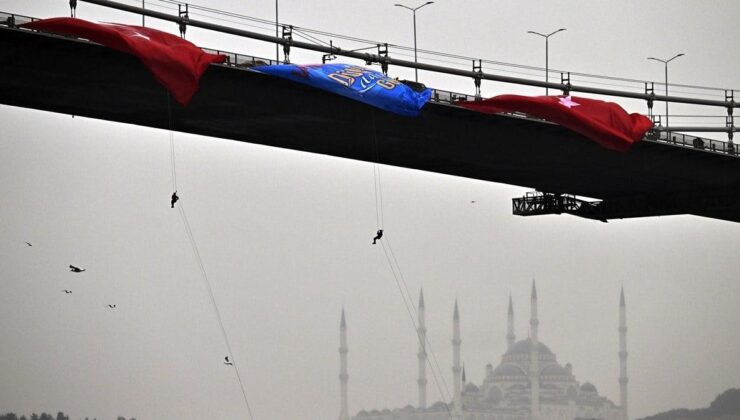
<point x="74" y="269"/>
<point x="227" y="362"/>
<point x="28" y="243"/>
<point x="472" y="201"/>
<point x="67" y="291"/>
<point x="111" y="306"/>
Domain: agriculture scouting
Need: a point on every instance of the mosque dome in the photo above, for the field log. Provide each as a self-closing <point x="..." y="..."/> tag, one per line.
<point x="471" y="387"/>
<point x="588" y="387"/>
<point x="525" y="347"/>
<point x="554" y="370"/>
<point x="508" y="369"/>
<point x="438" y="406"/>
<point x="508" y="388"/>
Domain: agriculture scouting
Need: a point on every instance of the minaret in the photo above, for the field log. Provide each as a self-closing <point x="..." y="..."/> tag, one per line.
<point x="422" y="355"/>
<point x="457" y="388"/>
<point x="623" y="354"/>
<point x="343" y="376"/>
<point x="510" y="337"/>
<point x="534" y="361"/>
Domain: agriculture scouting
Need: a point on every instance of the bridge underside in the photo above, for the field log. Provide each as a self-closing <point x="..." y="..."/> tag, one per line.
<point x="73" y="77"/>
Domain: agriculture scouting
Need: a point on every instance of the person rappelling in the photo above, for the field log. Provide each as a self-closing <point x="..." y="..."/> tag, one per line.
<point x="378" y="235"/>
<point x="174" y="199"/>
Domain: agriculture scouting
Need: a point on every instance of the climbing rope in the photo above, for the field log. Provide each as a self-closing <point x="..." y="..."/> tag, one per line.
<point x="396" y="270"/>
<point x="376" y="177"/>
<point x="204" y="275"/>
<point x="416" y="313"/>
<point x="172" y="143"/>
<point x="379" y="222"/>
<point x="411" y="310"/>
<point x="199" y="259"/>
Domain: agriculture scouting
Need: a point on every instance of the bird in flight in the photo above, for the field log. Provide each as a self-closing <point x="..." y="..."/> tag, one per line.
<point x="472" y="201"/>
<point x="227" y="361"/>
<point x="111" y="306"/>
<point x="67" y="291"/>
<point x="28" y="244"/>
<point x="74" y="269"/>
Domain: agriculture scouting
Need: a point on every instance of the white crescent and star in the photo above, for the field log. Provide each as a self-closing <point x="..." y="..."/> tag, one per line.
<point x="136" y="34"/>
<point x="567" y="102"/>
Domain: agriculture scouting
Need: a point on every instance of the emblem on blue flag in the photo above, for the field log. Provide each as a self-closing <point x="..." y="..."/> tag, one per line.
<point x="354" y="82"/>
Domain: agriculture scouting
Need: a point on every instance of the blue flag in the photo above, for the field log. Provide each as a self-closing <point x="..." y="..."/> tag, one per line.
<point x="354" y="82"/>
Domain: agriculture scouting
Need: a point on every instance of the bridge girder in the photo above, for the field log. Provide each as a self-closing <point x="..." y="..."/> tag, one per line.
<point x="75" y="77"/>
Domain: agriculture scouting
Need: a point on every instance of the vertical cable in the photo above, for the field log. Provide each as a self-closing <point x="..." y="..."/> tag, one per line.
<point x="395" y="268"/>
<point x="201" y="266"/>
<point x="172" y="143"/>
<point x="204" y="275"/>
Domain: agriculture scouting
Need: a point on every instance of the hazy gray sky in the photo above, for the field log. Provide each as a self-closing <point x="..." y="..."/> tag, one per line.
<point x="285" y="240"/>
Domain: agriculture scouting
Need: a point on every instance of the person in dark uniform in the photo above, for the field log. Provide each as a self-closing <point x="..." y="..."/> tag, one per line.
<point x="174" y="199"/>
<point x="378" y="235"/>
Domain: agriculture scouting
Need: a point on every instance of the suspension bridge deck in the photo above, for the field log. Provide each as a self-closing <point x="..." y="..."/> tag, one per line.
<point x="656" y="177"/>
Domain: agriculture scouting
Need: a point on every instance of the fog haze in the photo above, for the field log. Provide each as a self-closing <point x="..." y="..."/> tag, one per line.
<point x="285" y="239"/>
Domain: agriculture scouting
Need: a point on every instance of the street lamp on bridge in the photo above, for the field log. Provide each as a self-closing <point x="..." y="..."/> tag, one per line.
<point x="666" y="80"/>
<point x="413" y="10"/>
<point x="547" y="53"/>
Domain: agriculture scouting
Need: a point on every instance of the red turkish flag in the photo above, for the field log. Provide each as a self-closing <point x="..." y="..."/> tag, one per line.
<point x="606" y="123"/>
<point x="174" y="62"/>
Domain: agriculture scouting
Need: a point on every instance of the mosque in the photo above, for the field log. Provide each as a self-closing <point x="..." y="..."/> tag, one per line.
<point x="507" y="392"/>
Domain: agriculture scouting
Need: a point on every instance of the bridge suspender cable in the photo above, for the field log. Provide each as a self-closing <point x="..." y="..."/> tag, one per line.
<point x="374" y="58"/>
<point x="199" y="259"/>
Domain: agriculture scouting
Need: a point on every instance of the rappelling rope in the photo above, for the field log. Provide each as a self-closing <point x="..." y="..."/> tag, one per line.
<point x="427" y="343"/>
<point x="377" y="208"/>
<point x="172" y="143"/>
<point x="201" y="266"/>
<point x="411" y="311"/>
<point x="204" y="275"/>
<point x="379" y="222"/>
<point x="395" y="268"/>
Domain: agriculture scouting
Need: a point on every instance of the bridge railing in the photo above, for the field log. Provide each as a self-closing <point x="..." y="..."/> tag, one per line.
<point x="447" y="97"/>
<point x="12" y="20"/>
<point x="440" y="96"/>
<point x="241" y="60"/>
<point x="451" y="98"/>
<point x="699" y="143"/>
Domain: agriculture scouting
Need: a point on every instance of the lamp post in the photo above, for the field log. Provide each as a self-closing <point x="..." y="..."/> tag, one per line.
<point x="277" y="46"/>
<point x="665" y="62"/>
<point x="413" y="10"/>
<point x="547" y="54"/>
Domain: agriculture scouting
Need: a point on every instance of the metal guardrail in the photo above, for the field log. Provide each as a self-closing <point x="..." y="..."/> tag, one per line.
<point x="289" y="42"/>
<point x="439" y="96"/>
<point x="241" y="60"/>
<point x="12" y="20"/>
<point x="699" y="143"/>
